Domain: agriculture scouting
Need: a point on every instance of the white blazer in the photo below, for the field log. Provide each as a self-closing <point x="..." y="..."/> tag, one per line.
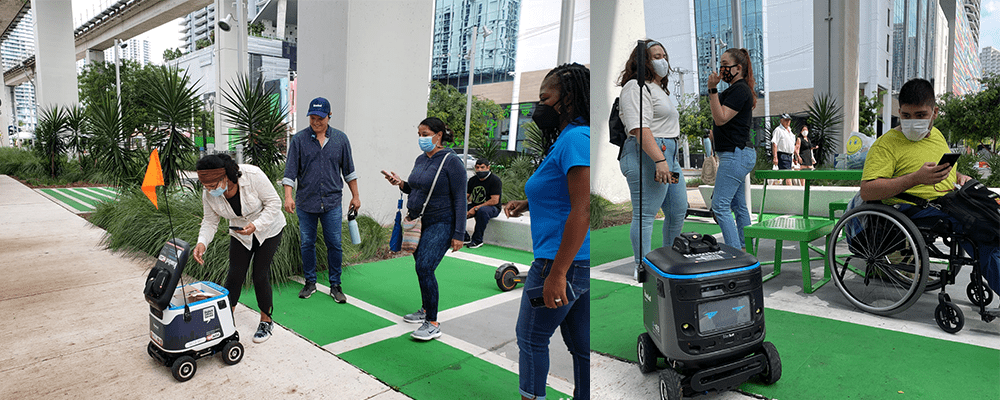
<point x="260" y="205"/>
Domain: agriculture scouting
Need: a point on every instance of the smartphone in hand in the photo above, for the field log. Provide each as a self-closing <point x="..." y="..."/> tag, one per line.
<point x="536" y="298"/>
<point x="949" y="158"/>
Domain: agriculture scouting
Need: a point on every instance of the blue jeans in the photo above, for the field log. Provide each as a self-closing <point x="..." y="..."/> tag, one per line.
<point x="729" y="197"/>
<point x="671" y="198"/>
<point x="989" y="253"/>
<point x="435" y="240"/>
<point x="331" y="220"/>
<point x="483" y="217"/>
<point x="535" y="326"/>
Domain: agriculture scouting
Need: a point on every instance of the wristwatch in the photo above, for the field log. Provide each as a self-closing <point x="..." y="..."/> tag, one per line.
<point x="713" y="90"/>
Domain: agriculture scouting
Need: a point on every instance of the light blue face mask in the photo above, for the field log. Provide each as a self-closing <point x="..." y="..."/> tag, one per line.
<point x="426" y="143"/>
<point x="219" y="190"/>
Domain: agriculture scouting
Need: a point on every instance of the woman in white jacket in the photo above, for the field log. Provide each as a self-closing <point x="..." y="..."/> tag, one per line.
<point x="244" y="196"/>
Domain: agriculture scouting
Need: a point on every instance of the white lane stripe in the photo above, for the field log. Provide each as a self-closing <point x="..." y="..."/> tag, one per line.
<point x="64" y="205"/>
<point x="354" y="301"/>
<point x="365" y="339"/>
<point x="94" y="194"/>
<point x="79" y="194"/>
<point x="553" y="381"/>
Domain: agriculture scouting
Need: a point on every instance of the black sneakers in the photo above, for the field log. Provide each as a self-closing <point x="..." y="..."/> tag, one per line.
<point x="338" y="294"/>
<point x="308" y="290"/>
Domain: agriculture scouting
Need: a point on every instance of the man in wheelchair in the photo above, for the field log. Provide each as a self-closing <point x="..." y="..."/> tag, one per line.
<point x="903" y="162"/>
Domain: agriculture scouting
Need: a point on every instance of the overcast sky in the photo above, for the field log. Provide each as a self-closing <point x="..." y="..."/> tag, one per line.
<point x="989" y="24"/>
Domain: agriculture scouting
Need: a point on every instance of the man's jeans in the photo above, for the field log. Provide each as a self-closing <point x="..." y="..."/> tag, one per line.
<point x="729" y="197"/>
<point x="331" y="220"/>
<point x="535" y="327"/>
<point x="671" y="198"/>
<point x="483" y="217"/>
<point x="989" y="253"/>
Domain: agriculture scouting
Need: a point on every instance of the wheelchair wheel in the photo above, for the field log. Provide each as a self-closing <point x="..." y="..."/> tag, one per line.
<point x="979" y="294"/>
<point x="949" y="317"/>
<point x="878" y="259"/>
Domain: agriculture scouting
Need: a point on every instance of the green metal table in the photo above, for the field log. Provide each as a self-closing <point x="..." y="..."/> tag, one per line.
<point x="802" y="229"/>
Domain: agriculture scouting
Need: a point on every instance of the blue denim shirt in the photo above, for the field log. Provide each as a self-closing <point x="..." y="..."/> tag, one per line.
<point x="316" y="171"/>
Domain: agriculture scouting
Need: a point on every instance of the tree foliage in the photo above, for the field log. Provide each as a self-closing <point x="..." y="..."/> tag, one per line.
<point x="448" y="104"/>
<point x="974" y="116"/>
<point x="172" y="54"/>
<point x="868" y="112"/>
<point x="695" y="120"/>
<point x="98" y="79"/>
<point x="824" y="119"/>
<point x="173" y="103"/>
<point x="258" y="122"/>
<point x="50" y="143"/>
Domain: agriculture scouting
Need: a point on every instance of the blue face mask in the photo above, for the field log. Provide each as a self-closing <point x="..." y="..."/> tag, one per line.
<point x="218" y="191"/>
<point x="426" y="143"/>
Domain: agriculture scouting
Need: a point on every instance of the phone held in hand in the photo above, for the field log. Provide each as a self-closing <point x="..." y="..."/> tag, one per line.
<point x="235" y="228"/>
<point x="536" y="298"/>
<point x="949" y="158"/>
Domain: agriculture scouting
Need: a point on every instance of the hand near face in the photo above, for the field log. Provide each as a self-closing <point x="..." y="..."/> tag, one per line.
<point x="714" y="79"/>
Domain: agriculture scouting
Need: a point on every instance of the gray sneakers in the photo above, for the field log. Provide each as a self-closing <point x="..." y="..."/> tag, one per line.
<point x="307" y="290"/>
<point x="338" y="294"/>
<point x="263" y="332"/>
<point x="426" y="332"/>
<point x="416" y="317"/>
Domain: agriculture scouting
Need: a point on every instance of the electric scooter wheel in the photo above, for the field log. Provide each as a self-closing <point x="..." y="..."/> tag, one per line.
<point x="232" y="353"/>
<point x="648" y="353"/>
<point x="506" y="278"/>
<point x="184" y="368"/>
<point x="773" y="372"/>
<point x="671" y="386"/>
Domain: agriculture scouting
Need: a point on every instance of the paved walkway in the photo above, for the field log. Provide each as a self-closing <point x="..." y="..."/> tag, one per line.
<point x="80" y="324"/>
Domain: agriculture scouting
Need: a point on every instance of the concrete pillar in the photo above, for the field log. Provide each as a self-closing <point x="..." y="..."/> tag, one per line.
<point x="835" y="31"/>
<point x="353" y="47"/>
<point x="282" y="16"/>
<point x="614" y="27"/>
<point x="55" y="54"/>
<point x="94" y="56"/>
<point x="227" y="45"/>
<point x="6" y="114"/>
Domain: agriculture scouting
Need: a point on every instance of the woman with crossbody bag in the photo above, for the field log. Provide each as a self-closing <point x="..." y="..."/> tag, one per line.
<point x="436" y="196"/>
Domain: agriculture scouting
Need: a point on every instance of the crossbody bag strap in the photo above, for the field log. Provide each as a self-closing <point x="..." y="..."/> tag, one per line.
<point x="433" y="183"/>
<point x="920" y="202"/>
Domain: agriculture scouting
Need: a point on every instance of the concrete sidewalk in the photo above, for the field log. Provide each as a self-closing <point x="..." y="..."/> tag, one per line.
<point x="80" y="324"/>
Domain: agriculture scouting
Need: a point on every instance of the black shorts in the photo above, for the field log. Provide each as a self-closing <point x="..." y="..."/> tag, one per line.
<point x="784" y="160"/>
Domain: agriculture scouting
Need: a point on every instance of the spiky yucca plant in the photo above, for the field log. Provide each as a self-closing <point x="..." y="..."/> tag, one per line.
<point x="50" y="142"/>
<point x="174" y="101"/>
<point x="259" y="122"/>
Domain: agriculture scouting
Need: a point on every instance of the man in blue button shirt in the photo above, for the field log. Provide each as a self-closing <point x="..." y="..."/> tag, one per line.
<point x="319" y="162"/>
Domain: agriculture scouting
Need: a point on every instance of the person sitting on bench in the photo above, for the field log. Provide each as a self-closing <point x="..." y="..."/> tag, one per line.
<point x="484" y="201"/>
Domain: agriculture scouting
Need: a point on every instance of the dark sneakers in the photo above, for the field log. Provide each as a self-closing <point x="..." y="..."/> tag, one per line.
<point x="308" y="290"/>
<point x="338" y="294"/>
<point x="475" y="245"/>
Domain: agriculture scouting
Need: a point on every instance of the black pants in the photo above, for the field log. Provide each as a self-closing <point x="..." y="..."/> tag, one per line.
<point x="239" y="262"/>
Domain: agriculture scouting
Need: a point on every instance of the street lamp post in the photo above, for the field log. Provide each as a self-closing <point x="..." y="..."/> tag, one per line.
<point x="486" y="32"/>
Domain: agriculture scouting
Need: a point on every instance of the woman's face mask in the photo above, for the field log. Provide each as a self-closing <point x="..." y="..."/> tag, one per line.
<point x="426" y="143"/>
<point x="726" y="73"/>
<point x="661" y="67"/>
<point x="218" y="191"/>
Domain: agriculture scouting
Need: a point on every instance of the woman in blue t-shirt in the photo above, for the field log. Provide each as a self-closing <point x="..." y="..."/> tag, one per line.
<point x="559" y="198"/>
<point x="732" y="111"/>
<point x="438" y="199"/>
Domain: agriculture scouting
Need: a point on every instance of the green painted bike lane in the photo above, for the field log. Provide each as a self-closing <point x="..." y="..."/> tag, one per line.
<point x="422" y="370"/>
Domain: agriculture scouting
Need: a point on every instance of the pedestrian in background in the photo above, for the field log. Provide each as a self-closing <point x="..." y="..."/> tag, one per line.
<point x="559" y="198"/>
<point x="659" y="184"/>
<point x="442" y="199"/>
<point x="319" y="162"/>
<point x="783" y="145"/>
<point x="732" y="111"/>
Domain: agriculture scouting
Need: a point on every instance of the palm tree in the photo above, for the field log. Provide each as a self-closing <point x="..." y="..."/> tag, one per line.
<point x="824" y="118"/>
<point x="49" y="137"/>
<point x="174" y="102"/>
<point x="258" y="121"/>
<point x="77" y="133"/>
<point x="109" y="142"/>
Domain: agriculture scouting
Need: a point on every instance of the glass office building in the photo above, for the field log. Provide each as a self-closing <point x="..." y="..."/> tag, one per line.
<point x="15" y="48"/>
<point x="495" y="54"/>
<point x="713" y="20"/>
<point x="913" y="38"/>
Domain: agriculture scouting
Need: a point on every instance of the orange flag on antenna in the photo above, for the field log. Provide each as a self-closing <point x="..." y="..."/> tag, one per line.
<point x="154" y="177"/>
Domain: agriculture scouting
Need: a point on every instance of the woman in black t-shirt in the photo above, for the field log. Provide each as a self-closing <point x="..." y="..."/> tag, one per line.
<point x="731" y="112"/>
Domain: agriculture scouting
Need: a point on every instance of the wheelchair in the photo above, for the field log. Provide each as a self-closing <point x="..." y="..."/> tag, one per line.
<point x="882" y="261"/>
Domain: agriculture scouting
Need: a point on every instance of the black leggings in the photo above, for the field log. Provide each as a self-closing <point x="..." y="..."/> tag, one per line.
<point x="239" y="262"/>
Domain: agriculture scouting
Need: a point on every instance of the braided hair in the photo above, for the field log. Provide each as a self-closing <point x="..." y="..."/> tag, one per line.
<point x="574" y="98"/>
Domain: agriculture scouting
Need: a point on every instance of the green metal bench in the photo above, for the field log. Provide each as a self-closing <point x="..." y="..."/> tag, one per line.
<point x="838" y="205"/>
<point x="801" y="229"/>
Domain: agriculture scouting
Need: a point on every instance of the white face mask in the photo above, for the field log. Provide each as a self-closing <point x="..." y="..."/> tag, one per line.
<point x="661" y="67"/>
<point x="915" y="129"/>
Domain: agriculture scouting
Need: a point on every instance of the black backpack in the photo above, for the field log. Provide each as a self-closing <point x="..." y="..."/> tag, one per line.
<point x="976" y="207"/>
<point x="617" y="127"/>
